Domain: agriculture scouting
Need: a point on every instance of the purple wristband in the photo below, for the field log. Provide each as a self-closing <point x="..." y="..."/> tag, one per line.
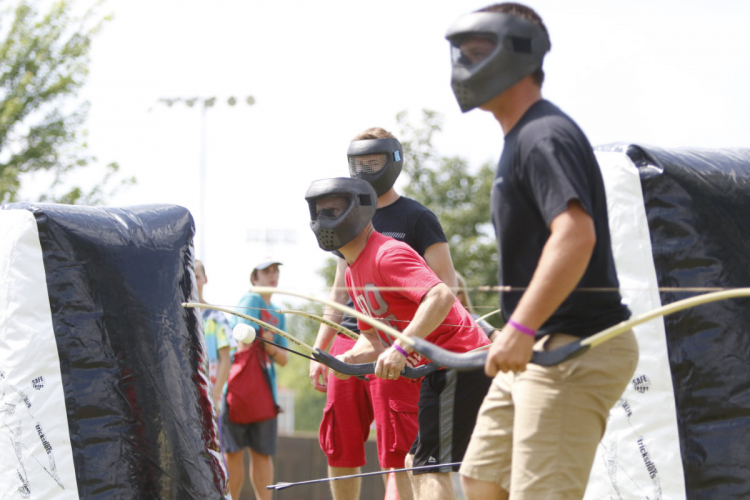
<point x="400" y="349"/>
<point x="521" y="328"/>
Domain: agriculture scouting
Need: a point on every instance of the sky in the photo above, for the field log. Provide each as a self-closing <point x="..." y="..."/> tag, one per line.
<point x="667" y="73"/>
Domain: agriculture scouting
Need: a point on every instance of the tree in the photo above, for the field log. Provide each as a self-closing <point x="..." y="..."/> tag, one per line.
<point x="43" y="64"/>
<point x="461" y="201"/>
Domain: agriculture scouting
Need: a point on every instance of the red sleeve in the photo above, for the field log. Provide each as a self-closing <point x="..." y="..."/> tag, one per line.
<point x="403" y="268"/>
<point x="361" y="325"/>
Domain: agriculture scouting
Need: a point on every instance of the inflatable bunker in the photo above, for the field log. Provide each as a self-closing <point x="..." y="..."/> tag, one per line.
<point x="102" y="386"/>
<point x="680" y="222"/>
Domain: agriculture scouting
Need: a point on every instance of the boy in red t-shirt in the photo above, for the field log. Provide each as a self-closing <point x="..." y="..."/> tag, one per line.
<point x="388" y="280"/>
<point x="352" y="405"/>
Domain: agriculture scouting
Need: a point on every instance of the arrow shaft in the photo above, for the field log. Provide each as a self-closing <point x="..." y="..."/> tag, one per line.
<point x="281" y="486"/>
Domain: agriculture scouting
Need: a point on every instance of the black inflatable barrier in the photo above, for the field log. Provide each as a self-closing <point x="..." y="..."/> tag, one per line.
<point x="697" y="204"/>
<point x="131" y="357"/>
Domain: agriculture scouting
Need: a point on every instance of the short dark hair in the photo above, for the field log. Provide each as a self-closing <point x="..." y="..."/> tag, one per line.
<point x="527" y="13"/>
<point x="373" y="133"/>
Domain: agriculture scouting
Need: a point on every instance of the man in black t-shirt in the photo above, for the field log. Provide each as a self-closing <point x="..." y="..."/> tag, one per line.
<point x="538" y="429"/>
<point x="375" y="155"/>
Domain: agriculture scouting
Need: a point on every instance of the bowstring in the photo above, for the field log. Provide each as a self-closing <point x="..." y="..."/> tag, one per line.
<point x="285" y="348"/>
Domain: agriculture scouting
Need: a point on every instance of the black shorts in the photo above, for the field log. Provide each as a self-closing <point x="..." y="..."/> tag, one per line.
<point x="449" y="402"/>
<point x="261" y="437"/>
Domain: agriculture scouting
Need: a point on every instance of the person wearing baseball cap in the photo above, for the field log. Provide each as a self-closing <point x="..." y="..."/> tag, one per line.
<point x="264" y="264"/>
<point x="259" y="437"/>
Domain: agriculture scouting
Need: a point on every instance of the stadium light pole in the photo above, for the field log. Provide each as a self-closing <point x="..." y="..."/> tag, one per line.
<point x="205" y="103"/>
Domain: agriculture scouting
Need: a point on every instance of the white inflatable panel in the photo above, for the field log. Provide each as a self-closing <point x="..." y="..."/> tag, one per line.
<point x="639" y="457"/>
<point x="36" y="460"/>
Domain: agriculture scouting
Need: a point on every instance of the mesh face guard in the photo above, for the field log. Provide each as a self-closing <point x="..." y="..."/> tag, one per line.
<point x="378" y="161"/>
<point x="367" y="164"/>
<point x="491" y="52"/>
<point x="339" y="210"/>
<point x="331" y="207"/>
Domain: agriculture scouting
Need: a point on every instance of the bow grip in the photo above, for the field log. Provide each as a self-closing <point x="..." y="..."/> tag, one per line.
<point x="360" y="370"/>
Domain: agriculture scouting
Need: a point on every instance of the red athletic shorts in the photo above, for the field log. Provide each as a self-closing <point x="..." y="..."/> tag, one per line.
<point x="395" y="406"/>
<point x="350" y="408"/>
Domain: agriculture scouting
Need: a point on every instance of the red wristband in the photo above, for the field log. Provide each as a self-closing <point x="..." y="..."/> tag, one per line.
<point x="401" y="350"/>
<point x="521" y="328"/>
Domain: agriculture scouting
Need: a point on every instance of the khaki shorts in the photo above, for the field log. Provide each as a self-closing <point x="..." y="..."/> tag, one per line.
<point x="537" y="431"/>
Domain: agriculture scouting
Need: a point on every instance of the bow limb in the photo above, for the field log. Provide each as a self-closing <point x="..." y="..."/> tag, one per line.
<point x="569" y="351"/>
<point x="674" y="307"/>
<point x="378" y="325"/>
<point x="321" y="319"/>
<point x="436" y="354"/>
<point x="488" y="315"/>
<point x="475" y="360"/>
<point x="579" y="347"/>
<point x="323" y="357"/>
<point x="271" y="328"/>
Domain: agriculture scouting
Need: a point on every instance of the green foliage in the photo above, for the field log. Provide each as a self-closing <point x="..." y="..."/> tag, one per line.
<point x="461" y="200"/>
<point x="328" y="271"/>
<point x="308" y="403"/>
<point x="44" y="59"/>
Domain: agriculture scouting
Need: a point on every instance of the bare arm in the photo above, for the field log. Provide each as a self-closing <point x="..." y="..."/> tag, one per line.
<point x="435" y="306"/>
<point x="279" y="356"/>
<point x="438" y="257"/>
<point x="222" y="374"/>
<point x="326" y="334"/>
<point x="563" y="262"/>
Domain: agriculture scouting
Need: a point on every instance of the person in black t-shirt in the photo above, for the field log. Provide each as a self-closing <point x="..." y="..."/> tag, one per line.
<point x="375" y="155"/>
<point x="538" y="428"/>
